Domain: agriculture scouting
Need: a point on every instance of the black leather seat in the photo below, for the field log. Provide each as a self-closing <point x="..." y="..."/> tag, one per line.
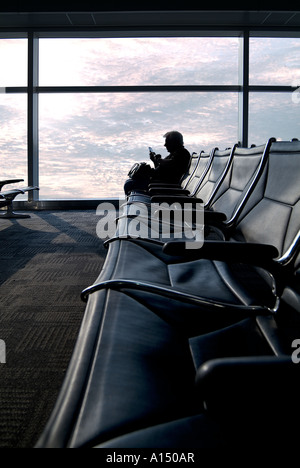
<point x="170" y="335"/>
<point x="244" y="380"/>
<point x="267" y="235"/>
<point x="123" y="375"/>
<point x="223" y="192"/>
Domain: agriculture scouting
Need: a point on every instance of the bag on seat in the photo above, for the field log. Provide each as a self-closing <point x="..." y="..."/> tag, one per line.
<point x="140" y="171"/>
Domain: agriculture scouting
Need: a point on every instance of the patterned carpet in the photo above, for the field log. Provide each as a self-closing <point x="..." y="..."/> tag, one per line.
<point x="46" y="261"/>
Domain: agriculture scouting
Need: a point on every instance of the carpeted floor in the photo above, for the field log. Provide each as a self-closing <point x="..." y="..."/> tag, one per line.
<point x="46" y="261"/>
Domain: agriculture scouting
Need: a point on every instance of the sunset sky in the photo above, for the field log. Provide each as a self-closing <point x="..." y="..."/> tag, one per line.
<point x="88" y="142"/>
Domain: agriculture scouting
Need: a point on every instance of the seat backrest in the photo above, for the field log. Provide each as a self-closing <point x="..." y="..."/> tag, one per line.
<point x="195" y="158"/>
<point x="246" y="168"/>
<point x="272" y="213"/>
<point x="215" y="176"/>
<point x="200" y="172"/>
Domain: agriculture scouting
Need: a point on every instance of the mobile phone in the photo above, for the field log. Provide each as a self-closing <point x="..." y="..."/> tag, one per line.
<point x="150" y="150"/>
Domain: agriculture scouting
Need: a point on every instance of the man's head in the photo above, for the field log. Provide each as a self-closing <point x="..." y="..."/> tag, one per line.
<point x="173" y="141"/>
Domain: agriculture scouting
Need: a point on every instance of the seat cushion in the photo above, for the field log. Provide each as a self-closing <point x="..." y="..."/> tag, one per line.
<point x="138" y="371"/>
<point x="217" y="281"/>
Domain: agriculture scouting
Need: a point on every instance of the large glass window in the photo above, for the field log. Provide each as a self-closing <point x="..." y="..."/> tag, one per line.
<point x="273" y="115"/>
<point x="88" y="136"/>
<point x="13" y="62"/>
<point x="13" y="111"/>
<point x="88" y="142"/>
<point x="139" y="61"/>
<point x="274" y="61"/>
<point x="13" y="137"/>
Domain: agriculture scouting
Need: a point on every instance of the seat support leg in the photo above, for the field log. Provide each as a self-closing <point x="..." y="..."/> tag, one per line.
<point x="10" y="214"/>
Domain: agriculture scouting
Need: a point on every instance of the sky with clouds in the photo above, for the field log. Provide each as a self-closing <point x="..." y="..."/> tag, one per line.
<point x="89" y="141"/>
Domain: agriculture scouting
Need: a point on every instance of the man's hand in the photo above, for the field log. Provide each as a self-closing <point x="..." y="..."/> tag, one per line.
<point x="154" y="157"/>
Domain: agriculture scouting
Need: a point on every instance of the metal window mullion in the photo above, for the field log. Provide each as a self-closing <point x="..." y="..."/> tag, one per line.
<point x="32" y="115"/>
<point x="243" y="126"/>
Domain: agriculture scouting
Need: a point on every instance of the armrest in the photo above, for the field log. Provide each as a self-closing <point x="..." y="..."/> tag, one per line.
<point x="234" y="252"/>
<point x="235" y="387"/>
<point x="168" y="191"/>
<point x="30" y="189"/>
<point x="159" y="184"/>
<point x="11" y="194"/>
<point x="175" y="199"/>
<point x="211" y="217"/>
<point x="9" y="181"/>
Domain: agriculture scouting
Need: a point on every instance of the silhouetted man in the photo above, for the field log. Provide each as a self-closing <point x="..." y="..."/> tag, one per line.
<point x="166" y="170"/>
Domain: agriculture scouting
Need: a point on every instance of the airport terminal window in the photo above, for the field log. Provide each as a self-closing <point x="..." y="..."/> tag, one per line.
<point x="13" y="110"/>
<point x="88" y="142"/>
<point x="273" y="115"/>
<point x="274" y="61"/>
<point x="13" y="62"/>
<point x="93" y="139"/>
<point x="13" y="137"/>
<point x="94" y="108"/>
<point x="139" y="61"/>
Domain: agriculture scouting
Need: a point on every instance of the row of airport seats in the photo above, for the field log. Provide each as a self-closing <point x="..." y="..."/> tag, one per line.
<point x="190" y="348"/>
<point x="222" y="181"/>
<point x="8" y="196"/>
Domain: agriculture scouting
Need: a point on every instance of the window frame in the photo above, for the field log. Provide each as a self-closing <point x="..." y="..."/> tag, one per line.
<point x="33" y="90"/>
